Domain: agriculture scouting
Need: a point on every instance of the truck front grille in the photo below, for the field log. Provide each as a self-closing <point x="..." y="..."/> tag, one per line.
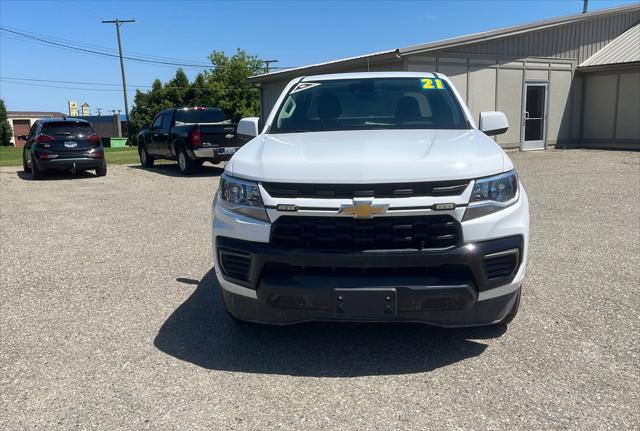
<point x="381" y="233"/>
<point x="348" y="191"/>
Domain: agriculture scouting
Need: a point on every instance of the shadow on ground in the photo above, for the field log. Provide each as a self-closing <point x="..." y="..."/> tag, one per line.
<point x="58" y="175"/>
<point x="200" y="331"/>
<point x="171" y="170"/>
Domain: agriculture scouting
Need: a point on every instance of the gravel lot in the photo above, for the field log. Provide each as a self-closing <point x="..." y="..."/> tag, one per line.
<point x="111" y="318"/>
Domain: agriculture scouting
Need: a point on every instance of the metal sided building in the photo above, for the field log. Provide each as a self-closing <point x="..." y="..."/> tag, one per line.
<point x="569" y="81"/>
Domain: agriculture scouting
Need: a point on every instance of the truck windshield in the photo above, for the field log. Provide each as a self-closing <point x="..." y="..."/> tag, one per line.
<point x="199" y="116"/>
<point x="371" y="103"/>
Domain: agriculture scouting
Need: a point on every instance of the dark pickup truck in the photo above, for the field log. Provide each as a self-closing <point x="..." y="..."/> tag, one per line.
<point x="189" y="135"/>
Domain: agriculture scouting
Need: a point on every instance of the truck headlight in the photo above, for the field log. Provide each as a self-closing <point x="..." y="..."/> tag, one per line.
<point x="242" y="197"/>
<point x="492" y="194"/>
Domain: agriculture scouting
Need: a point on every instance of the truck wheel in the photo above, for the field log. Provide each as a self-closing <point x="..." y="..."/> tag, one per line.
<point x="146" y="160"/>
<point x="514" y="311"/>
<point x="36" y="173"/>
<point x="102" y="170"/>
<point x="25" y="165"/>
<point x="185" y="164"/>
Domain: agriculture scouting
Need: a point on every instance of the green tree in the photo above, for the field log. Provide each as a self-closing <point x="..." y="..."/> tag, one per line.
<point x="6" y="133"/>
<point x="228" y="83"/>
<point x="177" y="89"/>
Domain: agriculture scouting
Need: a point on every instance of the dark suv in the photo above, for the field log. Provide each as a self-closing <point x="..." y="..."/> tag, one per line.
<point x="62" y="144"/>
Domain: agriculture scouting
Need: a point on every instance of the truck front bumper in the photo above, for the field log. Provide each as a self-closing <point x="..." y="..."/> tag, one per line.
<point x="455" y="287"/>
<point x="482" y="313"/>
<point x="441" y="288"/>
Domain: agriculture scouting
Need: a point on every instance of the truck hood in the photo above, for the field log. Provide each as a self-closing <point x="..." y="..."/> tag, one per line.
<point x="372" y="156"/>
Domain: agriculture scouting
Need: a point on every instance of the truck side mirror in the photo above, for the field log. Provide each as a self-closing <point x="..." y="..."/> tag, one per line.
<point x="248" y="128"/>
<point x="493" y="123"/>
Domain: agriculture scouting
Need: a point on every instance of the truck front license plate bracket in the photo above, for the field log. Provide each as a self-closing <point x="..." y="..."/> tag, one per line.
<point x="365" y="303"/>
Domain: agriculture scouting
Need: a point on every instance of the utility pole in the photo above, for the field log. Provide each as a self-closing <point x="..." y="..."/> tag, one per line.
<point x="268" y="62"/>
<point x="118" y="23"/>
<point x="585" y="6"/>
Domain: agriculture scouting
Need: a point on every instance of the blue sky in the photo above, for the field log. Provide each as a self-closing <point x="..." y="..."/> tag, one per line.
<point x="295" y="33"/>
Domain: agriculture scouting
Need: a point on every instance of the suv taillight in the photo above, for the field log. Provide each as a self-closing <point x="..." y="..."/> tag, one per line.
<point x="93" y="138"/>
<point x="44" y="140"/>
<point x="196" y="138"/>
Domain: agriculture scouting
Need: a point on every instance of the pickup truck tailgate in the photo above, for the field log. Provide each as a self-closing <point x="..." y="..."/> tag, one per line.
<point x="219" y="135"/>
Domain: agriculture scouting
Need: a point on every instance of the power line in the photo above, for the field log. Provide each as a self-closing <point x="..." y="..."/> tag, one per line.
<point x="12" y="78"/>
<point x="267" y="63"/>
<point x="140" y="87"/>
<point x="60" y="82"/>
<point x="35" y="42"/>
<point x="137" y="86"/>
<point x="105" y="54"/>
<point x="99" y="47"/>
<point x="150" y="59"/>
<point x="58" y="86"/>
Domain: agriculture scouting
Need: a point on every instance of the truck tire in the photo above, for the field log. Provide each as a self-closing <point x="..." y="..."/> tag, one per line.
<point x="102" y="170"/>
<point x="146" y="160"/>
<point x="25" y="165"/>
<point x="185" y="164"/>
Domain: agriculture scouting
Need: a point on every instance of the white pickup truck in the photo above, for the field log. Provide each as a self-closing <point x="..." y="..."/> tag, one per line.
<point x="371" y="197"/>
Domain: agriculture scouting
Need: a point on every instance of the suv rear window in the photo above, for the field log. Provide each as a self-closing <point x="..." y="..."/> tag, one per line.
<point x="67" y="128"/>
<point x="200" y="116"/>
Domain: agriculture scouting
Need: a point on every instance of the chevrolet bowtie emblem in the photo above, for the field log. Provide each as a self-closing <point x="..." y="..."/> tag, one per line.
<point x="363" y="209"/>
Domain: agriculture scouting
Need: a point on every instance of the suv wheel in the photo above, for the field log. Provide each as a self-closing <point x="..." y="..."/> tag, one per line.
<point x="25" y="165"/>
<point x="146" y="160"/>
<point x="185" y="164"/>
<point x="102" y="170"/>
<point x="36" y="173"/>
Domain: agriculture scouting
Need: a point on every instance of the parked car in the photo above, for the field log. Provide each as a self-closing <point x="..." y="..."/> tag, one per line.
<point x="62" y="144"/>
<point x="371" y="197"/>
<point x="189" y="135"/>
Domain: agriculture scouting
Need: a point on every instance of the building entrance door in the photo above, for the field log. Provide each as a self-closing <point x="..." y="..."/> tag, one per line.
<point x="534" y="119"/>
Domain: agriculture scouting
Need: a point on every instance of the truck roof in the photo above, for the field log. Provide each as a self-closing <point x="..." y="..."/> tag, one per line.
<point x="190" y="108"/>
<point x="362" y="75"/>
